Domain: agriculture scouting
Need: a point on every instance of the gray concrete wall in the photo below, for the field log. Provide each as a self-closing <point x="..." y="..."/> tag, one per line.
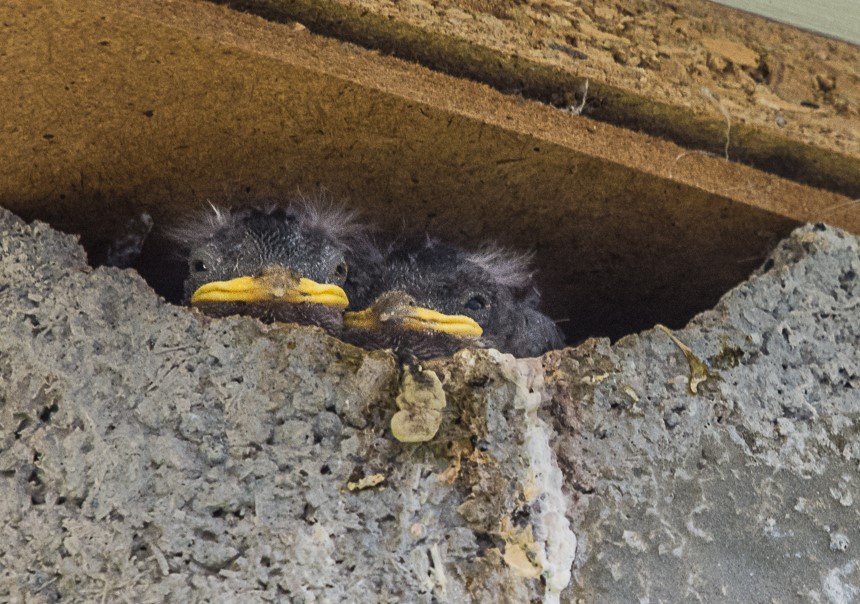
<point x="835" y="18"/>
<point x="149" y="453"/>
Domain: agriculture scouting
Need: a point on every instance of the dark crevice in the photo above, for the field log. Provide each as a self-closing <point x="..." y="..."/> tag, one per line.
<point x="22" y="425"/>
<point x="580" y="488"/>
<point x="621" y="274"/>
<point x="47" y="412"/>
<point x="485" y="541"/>
<point x="37" y="488"/>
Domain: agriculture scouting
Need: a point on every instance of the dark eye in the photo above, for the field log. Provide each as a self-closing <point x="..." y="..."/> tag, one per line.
<point x="283" y="214"/>
<point x="199" y="266"/>
<point x="475" y="303"/>
<point x="340" y="270"/>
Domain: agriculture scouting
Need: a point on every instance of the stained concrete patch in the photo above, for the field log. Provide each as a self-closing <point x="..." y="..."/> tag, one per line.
<point x="150" y="453"/>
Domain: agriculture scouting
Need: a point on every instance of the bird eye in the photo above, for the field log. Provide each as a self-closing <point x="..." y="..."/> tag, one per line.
<point x="475" y="303"/>
<point x="199" y="266"/>
<point x="340" y="270"/>
<point x="283" y="214"/>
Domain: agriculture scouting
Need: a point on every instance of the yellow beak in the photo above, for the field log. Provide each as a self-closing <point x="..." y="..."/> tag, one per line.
<point x="271" y="288"/>
<point x="417" y="319"/>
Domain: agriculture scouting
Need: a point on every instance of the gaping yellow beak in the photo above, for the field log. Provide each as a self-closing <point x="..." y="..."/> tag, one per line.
<point x="271" y="288"/>
<point x="417" y="319"/>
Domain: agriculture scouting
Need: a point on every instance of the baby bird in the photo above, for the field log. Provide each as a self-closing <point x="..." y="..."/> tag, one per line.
<point x="431" y="299"/>
<point x="277" y="263"/>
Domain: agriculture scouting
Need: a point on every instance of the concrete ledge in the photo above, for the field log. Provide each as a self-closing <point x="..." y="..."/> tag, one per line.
<point x="148" y="452"/>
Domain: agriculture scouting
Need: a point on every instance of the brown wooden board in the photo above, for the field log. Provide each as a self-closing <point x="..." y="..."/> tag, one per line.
<point x="705" y="76"/>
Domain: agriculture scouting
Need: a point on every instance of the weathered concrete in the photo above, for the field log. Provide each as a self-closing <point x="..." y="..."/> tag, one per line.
<point x="837" y="18"/>
<point x="748" y="490"/>
<point x="150" y="453"/>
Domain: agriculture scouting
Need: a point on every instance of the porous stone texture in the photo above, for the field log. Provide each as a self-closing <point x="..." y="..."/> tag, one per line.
<point x="746" y="491"/>
<point x="148" y="453"/>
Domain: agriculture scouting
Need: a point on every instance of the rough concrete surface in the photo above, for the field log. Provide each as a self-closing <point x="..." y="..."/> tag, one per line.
<point x="748" y="490"/>
<point x="148" y="453"/>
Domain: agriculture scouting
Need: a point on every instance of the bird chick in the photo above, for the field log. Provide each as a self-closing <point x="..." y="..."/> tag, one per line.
<point x="432" y="299"/>
<point x="275" y="263"/>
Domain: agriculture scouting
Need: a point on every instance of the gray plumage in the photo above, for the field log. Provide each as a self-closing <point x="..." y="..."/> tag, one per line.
<point x="492" y="287"/>
<point x="278" y="246"/>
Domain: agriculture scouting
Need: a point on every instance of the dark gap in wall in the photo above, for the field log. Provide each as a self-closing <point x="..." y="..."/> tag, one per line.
<point x="669" y="269"/>
<point x="158" y="260"/>
<point x="618" y="247"/>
